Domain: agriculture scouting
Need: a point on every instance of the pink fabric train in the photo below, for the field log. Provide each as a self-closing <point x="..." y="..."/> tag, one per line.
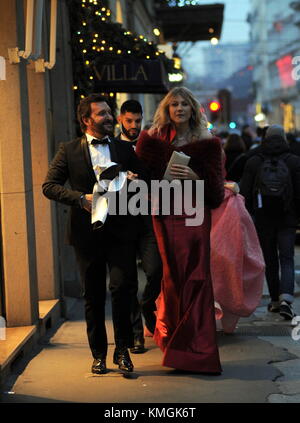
<point x="237" y="264"/>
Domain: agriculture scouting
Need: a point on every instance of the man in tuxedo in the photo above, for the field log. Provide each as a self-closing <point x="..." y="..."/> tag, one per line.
<point x="130" y="120"/>
<point x="113" y="245"/>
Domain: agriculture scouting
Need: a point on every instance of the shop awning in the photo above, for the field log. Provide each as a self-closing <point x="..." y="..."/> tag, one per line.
<point x="131" y="76"/>
<point x="190" y="23"/>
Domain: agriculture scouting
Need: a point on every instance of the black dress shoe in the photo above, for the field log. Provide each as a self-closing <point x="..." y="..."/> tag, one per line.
<point x="139" y="347"/>
<point x="99" y="366"/>
<point x="122" y="358"/>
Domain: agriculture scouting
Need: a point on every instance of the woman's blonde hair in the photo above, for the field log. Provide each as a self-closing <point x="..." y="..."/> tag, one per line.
<point x="198" y="121"/>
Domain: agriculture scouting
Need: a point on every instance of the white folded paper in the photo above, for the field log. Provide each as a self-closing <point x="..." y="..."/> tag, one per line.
<point x="100" y="203"/>
<point x="177" y="158"/>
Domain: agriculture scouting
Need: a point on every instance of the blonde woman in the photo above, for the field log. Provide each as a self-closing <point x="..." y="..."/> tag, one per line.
<point x="185" y="328"/>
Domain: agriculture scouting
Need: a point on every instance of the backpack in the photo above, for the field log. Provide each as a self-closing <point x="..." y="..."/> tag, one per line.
<point x="273" y="189"/>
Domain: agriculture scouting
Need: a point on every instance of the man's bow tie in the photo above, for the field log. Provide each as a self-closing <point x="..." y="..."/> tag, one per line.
<point x="103" y="141"/>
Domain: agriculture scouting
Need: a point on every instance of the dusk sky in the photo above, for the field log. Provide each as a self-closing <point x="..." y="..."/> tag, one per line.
<point x="235" y="29"/>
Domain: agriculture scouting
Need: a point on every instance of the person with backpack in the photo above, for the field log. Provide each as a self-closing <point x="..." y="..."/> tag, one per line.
<point x="271" y="187"/>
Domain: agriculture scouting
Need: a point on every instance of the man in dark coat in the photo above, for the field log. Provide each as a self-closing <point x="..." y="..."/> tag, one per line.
<point x="130" y="120"/>
<point x="112" y="245"/>
<point x="276" y="229"/>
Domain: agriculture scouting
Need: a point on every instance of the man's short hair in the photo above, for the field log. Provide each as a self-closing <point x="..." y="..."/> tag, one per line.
<point x="131" y="106"/>
<point x="84" y="107"/>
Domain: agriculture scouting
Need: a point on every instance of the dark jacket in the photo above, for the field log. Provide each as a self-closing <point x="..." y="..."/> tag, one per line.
<point x="234" y="165"/>
<point x="72" y="163"/>
<point x="274" y="146"/>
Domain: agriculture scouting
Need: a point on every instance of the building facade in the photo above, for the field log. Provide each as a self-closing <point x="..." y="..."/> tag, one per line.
<point x="275" y="39"/>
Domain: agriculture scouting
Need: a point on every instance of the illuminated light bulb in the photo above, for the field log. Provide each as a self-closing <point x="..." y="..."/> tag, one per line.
<point x="91" y="77"/>
<point x="129" y="51"/>
<point x="84" y="51"/>
<point x="96" y="35"/>
<point x="94" y="40"/>
<point x="98" y="49"/>
<point x="111" y="94"/>
<point x="87" y="62"/>
<point x="81" y="40"/>
<point x="84" y="23"/>
<point x="103" y="42"/>
<point x="157" y="53"/>
<point x="111" y="48"/>
<point x="78" y="32"/>
<point x="156" y="32"/>
<point x="82" y="96"/>
<point x="102" y="48"/>
<point x="119" y="51"/>
<point x="103" y="9"/>
<point x="141" y="37"/>
<point x="75" y="87"/>
<point x="211" y="30"/>
<point x="147" y="57"/>
<point x="214" y="41"/>
<point x="175" y="77"/>
<point x="94" y="47"/>
<point x="103" y="19"/>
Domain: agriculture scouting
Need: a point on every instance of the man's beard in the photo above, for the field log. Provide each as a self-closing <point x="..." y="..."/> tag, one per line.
<point x="128" y="135"/>
<point x="101" y="128"/>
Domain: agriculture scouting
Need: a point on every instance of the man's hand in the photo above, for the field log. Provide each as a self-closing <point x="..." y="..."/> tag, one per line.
<point x="87" y="202"/>
<point x="131" y="176"/>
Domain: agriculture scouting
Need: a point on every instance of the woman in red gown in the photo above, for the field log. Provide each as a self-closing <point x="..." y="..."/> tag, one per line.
<point x="185" y="329"/>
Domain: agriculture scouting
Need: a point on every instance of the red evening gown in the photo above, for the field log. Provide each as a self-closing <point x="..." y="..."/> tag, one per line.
<point x="186" y="327"/>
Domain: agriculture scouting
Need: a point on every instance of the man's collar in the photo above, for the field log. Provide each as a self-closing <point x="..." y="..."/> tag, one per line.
<point x="90" y="138"/>
<point x="124" y="138"/>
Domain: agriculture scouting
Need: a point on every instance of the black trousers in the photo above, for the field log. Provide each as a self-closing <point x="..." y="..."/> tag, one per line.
<point x="118" y="255"/>
<point x="147" y="251"/>
<point x="278" y="246"/>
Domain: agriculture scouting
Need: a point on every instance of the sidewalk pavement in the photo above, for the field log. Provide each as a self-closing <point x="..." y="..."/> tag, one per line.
<point x="261" y="364"/>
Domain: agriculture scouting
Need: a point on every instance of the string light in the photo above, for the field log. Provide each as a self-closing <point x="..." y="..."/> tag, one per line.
<point x="93" y="21"/>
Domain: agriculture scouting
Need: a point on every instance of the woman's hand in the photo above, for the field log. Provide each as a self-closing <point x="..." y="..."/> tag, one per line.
<point x="233" y="186"/>
<point x="183" y="172"/>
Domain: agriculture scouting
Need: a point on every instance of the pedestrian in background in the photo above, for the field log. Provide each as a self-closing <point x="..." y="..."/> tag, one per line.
<point x="130" y="120"/>
<point x="234" y="149"/>
<point x="248" y="136"/>
<point x="271" y="187"/>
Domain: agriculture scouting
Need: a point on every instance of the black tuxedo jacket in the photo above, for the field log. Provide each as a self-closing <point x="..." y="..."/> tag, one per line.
<point x="72" y="163"/>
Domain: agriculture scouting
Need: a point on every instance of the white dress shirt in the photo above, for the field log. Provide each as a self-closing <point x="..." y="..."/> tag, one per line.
<point x="100" y="153"/>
